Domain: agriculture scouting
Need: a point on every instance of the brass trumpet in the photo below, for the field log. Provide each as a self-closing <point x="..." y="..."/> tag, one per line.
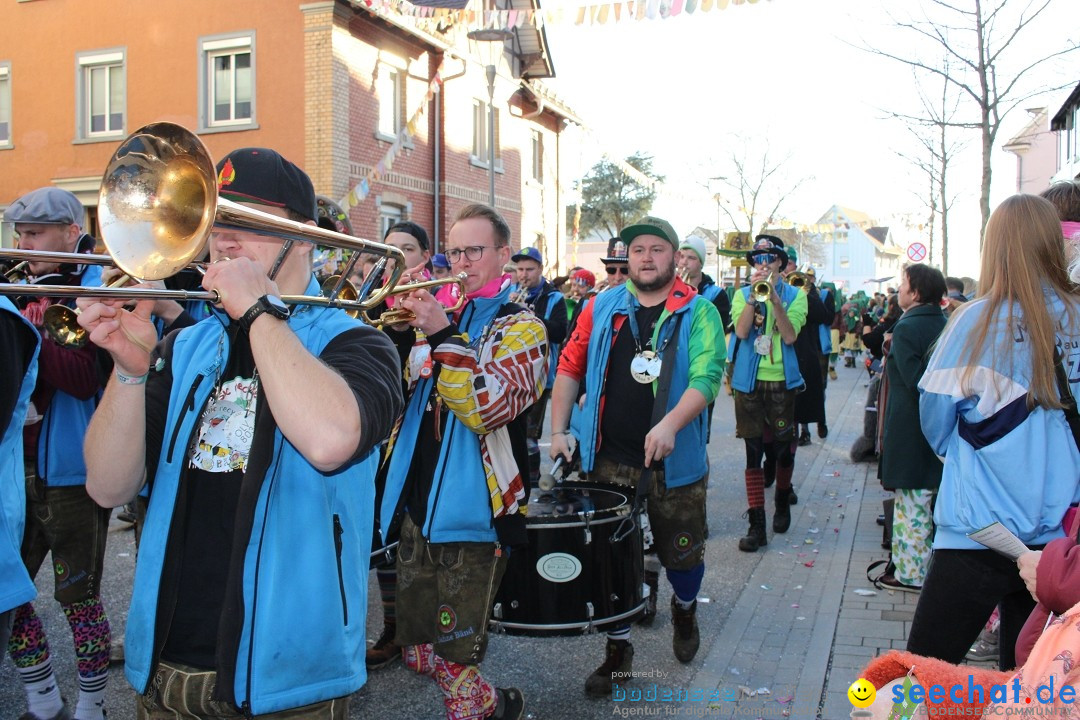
<point x="17" y="273"/>
<point x="762" y="289"/>
<point x="802" y="278"/>
<point x="399" y="315"/>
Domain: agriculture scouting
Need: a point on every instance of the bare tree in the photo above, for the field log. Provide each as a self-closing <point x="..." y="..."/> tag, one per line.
<point x="978" y="36"/>
<point x="759" y="189"/>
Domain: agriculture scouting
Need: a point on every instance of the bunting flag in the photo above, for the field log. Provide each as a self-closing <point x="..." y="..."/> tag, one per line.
<point x="363" y="188"/>
<point x="588" y="14"/>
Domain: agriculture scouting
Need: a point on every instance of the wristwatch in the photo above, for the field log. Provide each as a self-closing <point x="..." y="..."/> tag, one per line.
<point x="271" y="304"/>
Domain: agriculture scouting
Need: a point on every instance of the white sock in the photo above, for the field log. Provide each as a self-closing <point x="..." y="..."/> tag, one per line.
<point x="621" y="634"/>
<point x="92" y="697"/>
<point x="684" y="604"/>
<point x="42" y="692"/>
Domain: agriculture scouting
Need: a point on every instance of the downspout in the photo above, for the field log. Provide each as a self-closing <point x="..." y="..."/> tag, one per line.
<point x="436" y="225"/>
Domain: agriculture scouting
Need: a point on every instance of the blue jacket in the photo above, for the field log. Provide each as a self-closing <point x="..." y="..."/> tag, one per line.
<point x="1003" y="460"/>
<point x="699" y="363"/>
<point x="59" y="451"/>
<point x="744" y="374"/>
<point x="304" y="577"/>
<point x="825" y="329"/>
<point x="16" y="587"/>
<point x="459" y="504"/>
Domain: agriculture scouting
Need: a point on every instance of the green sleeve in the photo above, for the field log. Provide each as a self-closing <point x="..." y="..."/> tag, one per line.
<point x="708" y="349"/>
<point x="796" y="312"/>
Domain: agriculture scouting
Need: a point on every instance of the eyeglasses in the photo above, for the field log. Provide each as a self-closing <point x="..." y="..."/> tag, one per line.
<point x="622" y="270"/>
<point x="471" y="253"/>
<point x="762" y="258"/>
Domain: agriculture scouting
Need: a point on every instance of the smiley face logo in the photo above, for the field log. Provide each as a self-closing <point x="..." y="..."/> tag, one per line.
<point x="861" y="693"/>
<point x="682" y="541"/>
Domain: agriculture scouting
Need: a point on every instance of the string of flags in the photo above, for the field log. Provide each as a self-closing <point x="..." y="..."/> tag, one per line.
<point x="589" y="14"/>
<point x="363" y="188"/>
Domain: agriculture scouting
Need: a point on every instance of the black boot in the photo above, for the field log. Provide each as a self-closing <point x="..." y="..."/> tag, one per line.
<point x="769" y="468"/>
<point x="782" y="518"/>
<point x="619" y="658"/>
<point x="793" y="499"/>
<point x="686" y="639"/>
<point x="804" y="436"/>
<point x="822" y="430"/>
<point x="755" y="536"/>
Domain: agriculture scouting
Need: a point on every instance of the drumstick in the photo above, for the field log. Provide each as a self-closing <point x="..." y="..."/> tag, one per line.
<point x="547" y="480"/>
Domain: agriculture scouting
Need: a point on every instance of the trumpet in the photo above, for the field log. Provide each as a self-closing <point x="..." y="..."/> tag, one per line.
<point x="802" y="278"/>
<point x="17" y="273"/>
<point x="158" y="206"/>
<point x="762" y="289"/>
<point x="398" y="315"/>
<point x="62" y="323"/>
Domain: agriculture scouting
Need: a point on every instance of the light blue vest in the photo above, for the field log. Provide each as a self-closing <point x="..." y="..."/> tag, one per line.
<point x="306" y="561"/>
<point x="825" y="330"/>
<point x="16" y="587"/>
<point x="744" y="374"/>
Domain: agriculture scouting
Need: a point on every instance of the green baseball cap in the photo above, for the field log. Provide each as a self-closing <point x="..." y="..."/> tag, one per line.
<point x="650" y="225"/>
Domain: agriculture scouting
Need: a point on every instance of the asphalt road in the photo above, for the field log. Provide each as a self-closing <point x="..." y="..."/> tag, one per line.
<point x="550" y="671"/>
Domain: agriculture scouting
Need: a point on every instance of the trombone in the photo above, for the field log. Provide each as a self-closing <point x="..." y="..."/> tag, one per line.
<point x="159" y="204"/>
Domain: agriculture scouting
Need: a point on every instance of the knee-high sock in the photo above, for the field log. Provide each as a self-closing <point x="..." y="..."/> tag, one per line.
<point x="30" y="652"/>
<point x="686" y="583"/>
<point x="466" y="694"/>
<point x="755" y="487"/>
<point x="785" y="465"/>
<point x="420" y="659"/>
<point x="388" y="592"/>
<point x="92" y="633"/>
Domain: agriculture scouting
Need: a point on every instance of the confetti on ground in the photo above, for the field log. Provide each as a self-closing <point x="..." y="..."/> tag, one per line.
<point x="733" y="671"/>
<point x="794" y="605"/>
<point x="808" y="541"/>
<point x="864" y="592"/>
<point x="123" y="554"/>
<point x="763" y="691"/>
<point x="766" y="587"/>
<point x="800" y="618"/>
<point x="809" y="564"/>
<point x="814" y="531"/>
<point x="798" y="587"/>
<point x="704" y="600"/>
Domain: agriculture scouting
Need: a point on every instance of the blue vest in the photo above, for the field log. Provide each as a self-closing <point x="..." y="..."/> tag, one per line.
<point x="59" y="452"/>
<point x="744" y="374"/>
<point x="688" y="461"/>
<point x="16" y="587"/>
<point x="306" y="560"/>
<point x="825" y="330"/>
<point x="459" y="505"/>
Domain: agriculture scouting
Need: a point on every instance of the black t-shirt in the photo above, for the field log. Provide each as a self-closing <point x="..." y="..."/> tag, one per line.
<point x="197" y="610"/>
<point x="628" y="404"/>
<point x="212" y="477"/>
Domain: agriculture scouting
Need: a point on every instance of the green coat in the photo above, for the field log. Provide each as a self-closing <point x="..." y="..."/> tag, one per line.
<point x="907" y="462"/>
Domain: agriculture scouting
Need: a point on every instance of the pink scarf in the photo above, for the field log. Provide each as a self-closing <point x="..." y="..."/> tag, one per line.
<point x="489" y="290"/>
<point x="1071" y="230"/>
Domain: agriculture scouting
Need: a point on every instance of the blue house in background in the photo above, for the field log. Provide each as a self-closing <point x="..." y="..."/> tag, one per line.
<point x="858" y="253"/>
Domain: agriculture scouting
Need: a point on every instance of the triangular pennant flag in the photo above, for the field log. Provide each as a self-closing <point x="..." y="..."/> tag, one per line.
<point x="640" y="13"/>
<point x="602" y="14"/>
<point x="691" y="6"/>
<point x="676" y="7"/>
<point x="580" y="19"/>
<point x="618" y="11"/>
<point x="706" y="5"/>
<point x="652" y="8"/>
<point x="511" y="18"/>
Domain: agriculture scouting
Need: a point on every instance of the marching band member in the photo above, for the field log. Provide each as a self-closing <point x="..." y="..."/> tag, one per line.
<point x="622" y="342"/>
<point x="256" y="428"/>
<point x="457" y="465"/>
<point x="61" y="518"/>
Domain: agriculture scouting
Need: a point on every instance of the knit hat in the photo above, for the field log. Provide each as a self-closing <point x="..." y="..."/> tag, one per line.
<point x="696" y="244"/>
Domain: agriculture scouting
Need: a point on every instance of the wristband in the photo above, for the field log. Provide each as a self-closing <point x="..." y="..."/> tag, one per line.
<point x="561" y="432"/>
<point x="131" y="379"/>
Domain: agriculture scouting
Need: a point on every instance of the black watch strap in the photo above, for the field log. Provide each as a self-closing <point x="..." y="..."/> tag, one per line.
<point x="262" y="305"/>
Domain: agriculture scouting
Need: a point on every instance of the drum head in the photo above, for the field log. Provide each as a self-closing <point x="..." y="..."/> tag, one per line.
<point x="571" y="499"/>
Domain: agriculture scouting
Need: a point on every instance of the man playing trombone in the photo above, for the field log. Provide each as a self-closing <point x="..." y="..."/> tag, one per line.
<point x="255" y="429"/>
<point x="60" y="516"/>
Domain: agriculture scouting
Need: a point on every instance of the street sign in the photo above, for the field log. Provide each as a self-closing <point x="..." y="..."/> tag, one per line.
<point x="916" y="252"/>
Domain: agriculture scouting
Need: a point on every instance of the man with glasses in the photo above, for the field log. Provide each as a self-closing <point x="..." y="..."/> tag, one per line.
<point x="537" y="294"/>
<point x="630" y="343"/>
<point x="458" y="462"/>
<point x="765" y="380"/>
<point x="615" y="263"/>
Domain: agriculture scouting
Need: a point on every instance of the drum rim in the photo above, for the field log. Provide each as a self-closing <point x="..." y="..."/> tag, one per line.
<point x="603" y="516"/>
<point x="587" y="626"/>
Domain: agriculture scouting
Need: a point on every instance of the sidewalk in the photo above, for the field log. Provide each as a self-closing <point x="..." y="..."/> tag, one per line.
<point x="798" y="629"/>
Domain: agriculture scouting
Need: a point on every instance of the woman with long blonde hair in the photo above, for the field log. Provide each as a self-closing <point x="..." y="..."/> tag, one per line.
<point x="991" y="407"/>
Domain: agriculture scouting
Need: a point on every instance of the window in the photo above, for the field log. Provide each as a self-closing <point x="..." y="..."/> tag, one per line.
<point x="537" y="156"/>
<point x="389" y="215"/>
<point x="102" y="95"/>
<point x="480" y="135"/>
<point x="5" y="105"/>
<point x="388" y="91"/>
<point x="227" y="82"/>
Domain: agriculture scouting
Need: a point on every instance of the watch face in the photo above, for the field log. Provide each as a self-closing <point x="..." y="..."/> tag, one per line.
<point x="278" y="307"/>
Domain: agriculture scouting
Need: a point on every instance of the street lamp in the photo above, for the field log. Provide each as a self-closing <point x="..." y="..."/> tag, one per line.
<point x="719" y="230"/>
<point x="491" y="36"/>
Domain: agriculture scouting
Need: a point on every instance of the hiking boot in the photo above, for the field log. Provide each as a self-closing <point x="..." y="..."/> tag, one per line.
<point x="793" y="499"/>
<point x="686" y="640"/>
<point x="384" y="652"/>
<point x="804" y="436"/>
<point x="510" y="704"/>
<point x="782" y="517"/>
<point x="63" y="714"/>
<point x="822" y="430"/>
<point x="755" y="537"/>
<point x="617" y="665"/>
<point x="652" y="579"/>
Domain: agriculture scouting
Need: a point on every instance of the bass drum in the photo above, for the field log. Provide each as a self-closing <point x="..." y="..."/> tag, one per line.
<point x="582" y="570"/>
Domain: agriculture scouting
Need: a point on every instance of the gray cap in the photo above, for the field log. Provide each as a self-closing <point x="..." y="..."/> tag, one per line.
<point x="47" y="205"/>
